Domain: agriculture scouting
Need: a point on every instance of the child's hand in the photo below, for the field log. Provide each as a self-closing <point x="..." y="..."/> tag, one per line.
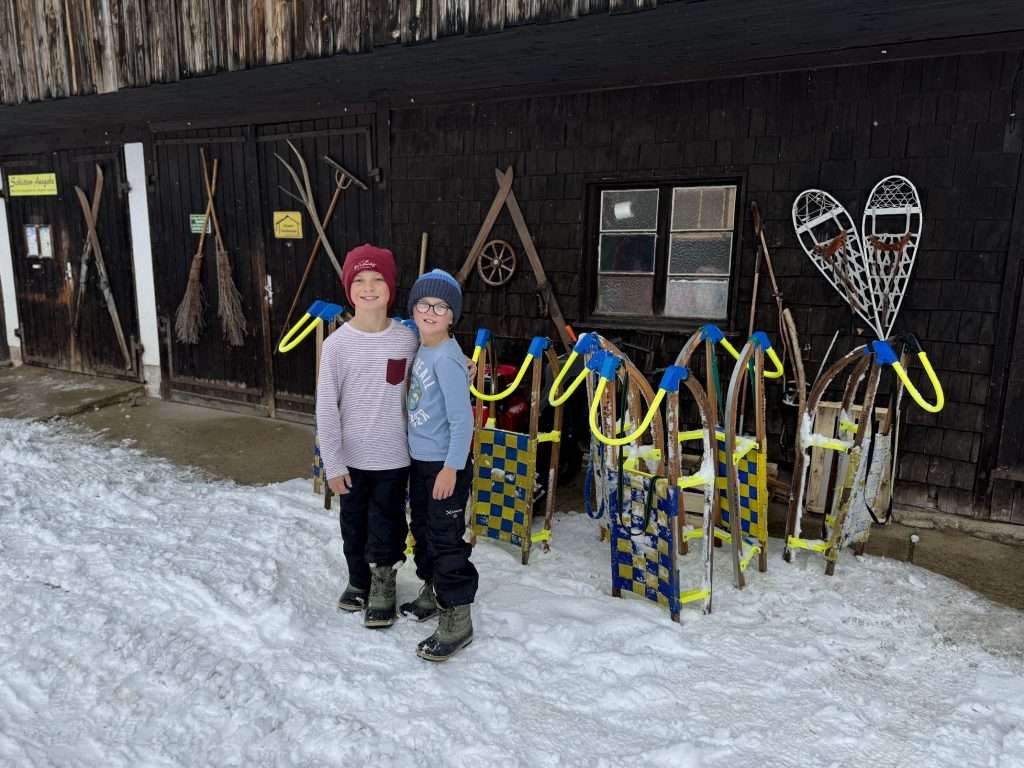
<point x="444" y="485"/>
<point x="471" y="368"/>
<point x="340" y="484"/>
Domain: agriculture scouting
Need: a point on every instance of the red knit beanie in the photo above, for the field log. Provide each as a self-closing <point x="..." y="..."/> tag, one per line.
<point x="370" y="257"/>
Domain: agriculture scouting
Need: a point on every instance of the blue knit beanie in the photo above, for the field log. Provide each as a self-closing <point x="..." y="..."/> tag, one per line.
<point x="440" y="285"/>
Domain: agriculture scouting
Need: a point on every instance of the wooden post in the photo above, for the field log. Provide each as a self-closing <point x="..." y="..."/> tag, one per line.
<point x="423" y="253"/>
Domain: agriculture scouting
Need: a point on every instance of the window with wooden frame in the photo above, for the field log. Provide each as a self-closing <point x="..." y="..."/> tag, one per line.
<point x="664" y="251"/>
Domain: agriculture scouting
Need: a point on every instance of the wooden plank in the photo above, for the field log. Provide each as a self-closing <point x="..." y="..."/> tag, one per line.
<point x="631" y="6"/>
<point x="25" y="23"/>
<point x="449" y="18"/>
<point x="518" y="12"/>
<point x="129" y="20"/>
<point x="416" y="20"/>
<point x="162" y="39"/>
<point x="12" y="89"/>
<point x="384" y="23"/>
<point x="277" y="31"/>
<point x="356" y="35"/>
<point x="485" y="16"/>
<point x="52" y="48"/>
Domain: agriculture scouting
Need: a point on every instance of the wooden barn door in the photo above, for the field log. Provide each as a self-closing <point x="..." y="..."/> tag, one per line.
<point x="348" y="142"/>
<point x="48" y="234"/>
<point x="211" y="370"/>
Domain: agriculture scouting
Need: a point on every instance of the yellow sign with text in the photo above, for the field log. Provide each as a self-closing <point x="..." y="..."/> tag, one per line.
<point x="32" y="184"/>
<point x="287" y="225"/>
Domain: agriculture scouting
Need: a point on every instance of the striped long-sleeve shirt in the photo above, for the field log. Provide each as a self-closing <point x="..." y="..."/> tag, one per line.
<point x="360" y="399"/>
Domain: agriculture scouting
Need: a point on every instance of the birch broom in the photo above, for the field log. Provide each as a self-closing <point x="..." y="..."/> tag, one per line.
<point x="188" y="319"/>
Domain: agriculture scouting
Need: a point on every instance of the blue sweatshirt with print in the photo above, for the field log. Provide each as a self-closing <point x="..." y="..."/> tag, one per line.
<point x="440" y="414"/>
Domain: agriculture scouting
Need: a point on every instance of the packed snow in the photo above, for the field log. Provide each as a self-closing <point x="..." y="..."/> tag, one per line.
<point x="152" y="616"/>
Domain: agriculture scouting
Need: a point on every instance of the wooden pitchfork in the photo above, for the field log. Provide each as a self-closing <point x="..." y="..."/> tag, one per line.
<point x="343" y="179"/>
<point x="101" y="270"/>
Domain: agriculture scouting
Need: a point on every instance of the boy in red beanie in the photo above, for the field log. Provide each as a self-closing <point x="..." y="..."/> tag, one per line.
<point x="360" y="419"/>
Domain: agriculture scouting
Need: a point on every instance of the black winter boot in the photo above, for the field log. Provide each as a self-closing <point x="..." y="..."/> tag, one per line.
<point x="424" y="606"/>
<point x="352" y="599"/>
<point x="454" y="632"/>
<point x="380" y="605"/>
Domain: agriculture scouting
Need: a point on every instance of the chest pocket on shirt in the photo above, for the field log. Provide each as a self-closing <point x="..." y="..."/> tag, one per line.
<point x="396" y="370"/>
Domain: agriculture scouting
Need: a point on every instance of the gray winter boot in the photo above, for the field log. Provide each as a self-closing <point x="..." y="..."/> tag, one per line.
<point x="424" y="606"/>
<point x="454" y="632"/>
<point x="380" y="605"/>
<point x="352" y="599"/>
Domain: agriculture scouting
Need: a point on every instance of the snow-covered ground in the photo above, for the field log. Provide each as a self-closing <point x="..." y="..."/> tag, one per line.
<point x="150" y="617"/>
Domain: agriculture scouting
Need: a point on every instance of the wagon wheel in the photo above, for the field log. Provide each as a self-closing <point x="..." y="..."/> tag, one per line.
<point x="497" y="263"/>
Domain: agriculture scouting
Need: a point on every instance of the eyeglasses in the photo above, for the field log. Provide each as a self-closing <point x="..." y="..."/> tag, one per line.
<point x="424" y="307"/>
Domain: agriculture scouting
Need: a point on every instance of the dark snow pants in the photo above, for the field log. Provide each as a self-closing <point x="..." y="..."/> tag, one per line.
<point x="373" y="527"/>
<point x="442" y="554"/>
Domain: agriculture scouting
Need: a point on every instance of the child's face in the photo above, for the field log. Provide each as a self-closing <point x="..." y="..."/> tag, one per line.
<point x="432" y="317"/>
<point x="369" y="290"/>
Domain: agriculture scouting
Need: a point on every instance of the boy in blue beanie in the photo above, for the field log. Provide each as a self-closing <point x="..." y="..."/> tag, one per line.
<point x="440" y="433"/>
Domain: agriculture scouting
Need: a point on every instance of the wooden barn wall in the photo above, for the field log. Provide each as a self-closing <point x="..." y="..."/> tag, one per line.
<point x="945" y="123"/>
<point x="52" y="48"/>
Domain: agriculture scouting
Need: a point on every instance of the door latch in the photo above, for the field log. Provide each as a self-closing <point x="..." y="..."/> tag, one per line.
<point x="268" y="291"/>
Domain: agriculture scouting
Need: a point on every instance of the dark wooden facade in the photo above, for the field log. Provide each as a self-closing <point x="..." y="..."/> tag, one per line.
<point x="945" y="123"/>
<point x="798" y="111"/>
<point x="47" y="287"/>
<point x="268" y="270"/>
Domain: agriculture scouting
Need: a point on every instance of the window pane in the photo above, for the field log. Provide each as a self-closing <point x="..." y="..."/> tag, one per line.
<point x="627" y="253"/>
<point x="697" y="299"/>
<point x="703" y="207"/>
<point x="629" y="209"/>
<point x="699" y="253"/>
<point x="625" y="294"/>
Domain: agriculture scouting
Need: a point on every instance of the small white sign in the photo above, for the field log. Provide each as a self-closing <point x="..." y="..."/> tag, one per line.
<point x="45" y="243"/>
<point x="31" y="242"/>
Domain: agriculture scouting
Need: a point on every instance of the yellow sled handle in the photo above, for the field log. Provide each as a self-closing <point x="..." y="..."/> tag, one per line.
<point x="606" y="364"/>
<point x="760" y="338"/>
<point x="318" y="312"/>
<point x="298" y="332"/>
<point x="885" y="355"/>
<point x="537" y="347"/>
<point x="714" y="334"/>
<point x="587" y="344"/>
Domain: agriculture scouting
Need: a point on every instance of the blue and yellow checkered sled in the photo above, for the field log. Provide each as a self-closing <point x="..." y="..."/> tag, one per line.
<point x="751" y="468"/>
<point x="644" y="507"/>
<point x="643" y="539"/>
<point x="503" y="480"/>
<point x="505" y="463"/>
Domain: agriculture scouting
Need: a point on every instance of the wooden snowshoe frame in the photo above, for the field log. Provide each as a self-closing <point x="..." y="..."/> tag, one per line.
<point x="891" y="230"/>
